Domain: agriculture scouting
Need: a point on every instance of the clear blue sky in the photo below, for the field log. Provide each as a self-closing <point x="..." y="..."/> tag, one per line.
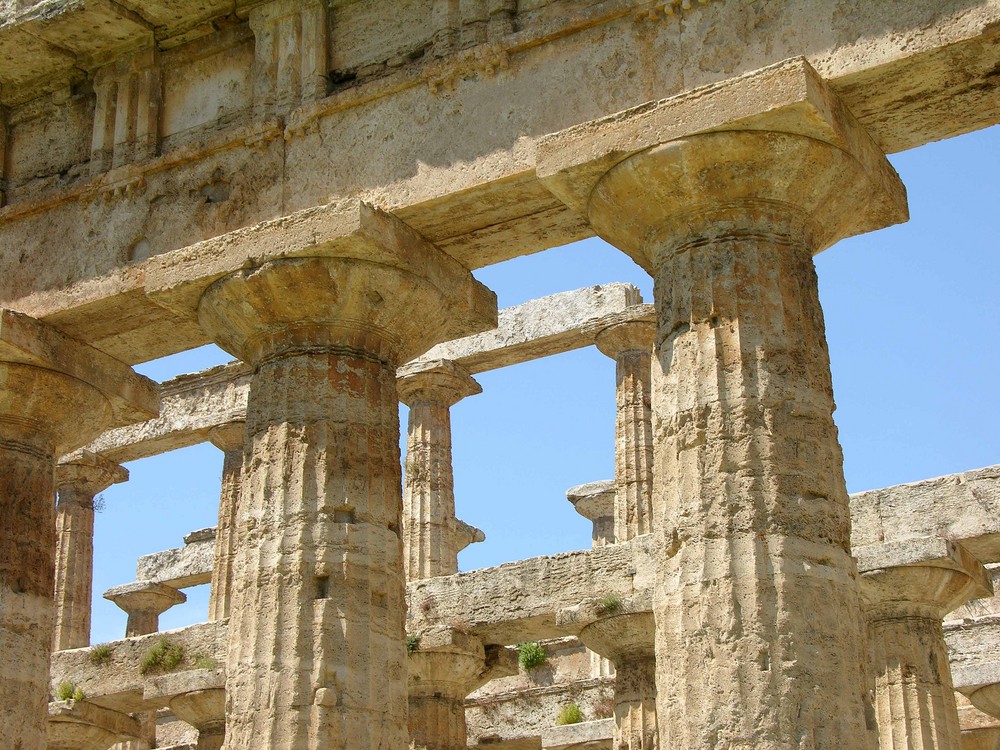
<point x="913" y="321"/>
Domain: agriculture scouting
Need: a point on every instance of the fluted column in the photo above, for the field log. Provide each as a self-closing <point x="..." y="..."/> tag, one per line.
<point x="432" y="537"/>
<point x="79" y="477"/>
<point x="627" y="640"/>
<point x="229" y="439"/>
<point x="630" y="345"/>
<point x="914" y="697"/>
<point x="444" y="666"/>
<point x="317" y="654"/>
<point x="56" y="394"/>
<point x="759" y="633"/>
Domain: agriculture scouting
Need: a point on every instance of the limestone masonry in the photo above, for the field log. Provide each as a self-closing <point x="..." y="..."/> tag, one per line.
<point x="308" y="184"/>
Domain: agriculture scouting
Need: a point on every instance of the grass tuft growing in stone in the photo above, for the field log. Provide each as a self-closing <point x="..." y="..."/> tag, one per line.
<point x="569" y="714"/>
<point x="164" y="656"/>
<point x="206" y="662"/>
<point x="610" y="603"/>
<point x="67" y="691"/>
<point x="531" y="655"/>
<point x="100" y="655"/>
<point x="412" y="643"/>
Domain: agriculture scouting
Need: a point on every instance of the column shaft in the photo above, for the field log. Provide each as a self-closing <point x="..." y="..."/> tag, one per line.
<point x="318" y="531"/>
<point x="437" y="722"/>
<point x="635" y="702"/>
<point x="762" y="608"/>
<point x="914" y="698"/>
<point x="27" y="543"/>
<point x="230" y="440"/>
<point x="74" y="568"/>
<point x="634" y="446"/>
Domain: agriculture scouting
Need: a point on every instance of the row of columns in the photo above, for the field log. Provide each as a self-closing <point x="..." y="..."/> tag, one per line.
<point x="760" y="633"/>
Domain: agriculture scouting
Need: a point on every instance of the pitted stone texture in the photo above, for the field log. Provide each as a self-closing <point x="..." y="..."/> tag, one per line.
<point x="180" y="567"/>
<point x="229" y="439"/>
<point x="79" y="477"/>
<point x="317" y="653"/>
<point x="914" y="698"/>
<point x="444" y="667"/>
<point x="595" y="501"/>
<point x="55" y="395"/>
<point x="963" y="507"/>
<point x="432" y="538"/>
<point x="144" y="601"/>
<point x="630" y="344"/>
<point x="77" y="724"/>
<point x="749" y="472"/>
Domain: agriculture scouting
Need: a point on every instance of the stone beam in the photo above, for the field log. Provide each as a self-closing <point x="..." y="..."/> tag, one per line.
<point x="911" y="72"/>
<point x="519" y="601"/>
<point x="111" y="674"/>
<point x="180" y="567"/>
<point x="964" y="508"/>
<point x="192" y="405"/>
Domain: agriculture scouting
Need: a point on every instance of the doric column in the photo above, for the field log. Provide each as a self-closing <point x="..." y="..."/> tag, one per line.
<point x="229" y="439"/>
<point x="630" y="344"/>
<point x="914" y="698"/>
<point x="79" y="477"/>
<point x="317" y="654"/>
<point x="56" y="394"/>
<point x="595" y="501"/>
<point x="759" y="633"/>
<point x="144" y="602"/>
<point x="432" y="537"/>
<point x="196" y="697"/>
<point x="444" y="666"/>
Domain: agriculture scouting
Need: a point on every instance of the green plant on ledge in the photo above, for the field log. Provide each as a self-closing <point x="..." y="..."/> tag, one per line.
<point x="569" y="714"/>
<point x="412" y="643"/>
<point x="164" y="656"/>
<point x="531" y="655"/>
<point x="610" y="603"/>
<point x="205" y="662"/>
<point x="67" y="691"/>
<point x="100" y="656"/>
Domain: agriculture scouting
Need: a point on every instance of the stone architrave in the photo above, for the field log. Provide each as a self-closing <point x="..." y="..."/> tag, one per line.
<point x="915" y="703"/>
<point x="630" y="344"/>
<point x="760" y="637"/>
<point x="79" y="477"/>
<point x="56" y="394"/>
<point x="144" y="601"/>
<point x="432" y="537"/>
<point x="317" y="656"/>
<point x="229" y="439"/>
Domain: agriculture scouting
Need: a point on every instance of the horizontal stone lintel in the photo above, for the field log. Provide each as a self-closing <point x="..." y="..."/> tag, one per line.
<point x="191" y="405"/>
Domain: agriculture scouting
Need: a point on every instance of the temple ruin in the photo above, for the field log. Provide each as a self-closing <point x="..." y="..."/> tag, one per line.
<point x="308" y="184"/>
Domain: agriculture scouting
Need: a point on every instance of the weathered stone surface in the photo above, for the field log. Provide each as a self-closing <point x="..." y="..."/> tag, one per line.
<point x="119" y="682"/>
<point x="595" y="501"/>
<point x="144" y="601"/>
<point x="181" y="567"/>
<point x="587" y="735"/>
<point x="230" y="439"/>
<point x="432" y="537"/>
<point x="78" y="724"/>
<point x="197" y="697"/>
<point x="749" y="471"/>
<point x="79" y="477"/>
<point x="964" y="507"/>
<point x="56" y="395"/>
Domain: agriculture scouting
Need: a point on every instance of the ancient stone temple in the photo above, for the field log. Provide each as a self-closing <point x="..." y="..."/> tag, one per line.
<point x="308" y="184"/>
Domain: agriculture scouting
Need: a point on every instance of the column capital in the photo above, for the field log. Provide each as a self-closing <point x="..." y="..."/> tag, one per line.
<point x="64" y="388"/>
<point x="88" y="472"/>
<point x="926" y="577"/>
<point x="145" y="597"/>
<point x="614" y="627"/>
<point x="228" y="437"/>
<point x="633" y="330"/>
<point x="445" y="660"/>
<point x="438" y="380"/>
<point x="713" y="160"/>
<point x="343" y="277"/>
